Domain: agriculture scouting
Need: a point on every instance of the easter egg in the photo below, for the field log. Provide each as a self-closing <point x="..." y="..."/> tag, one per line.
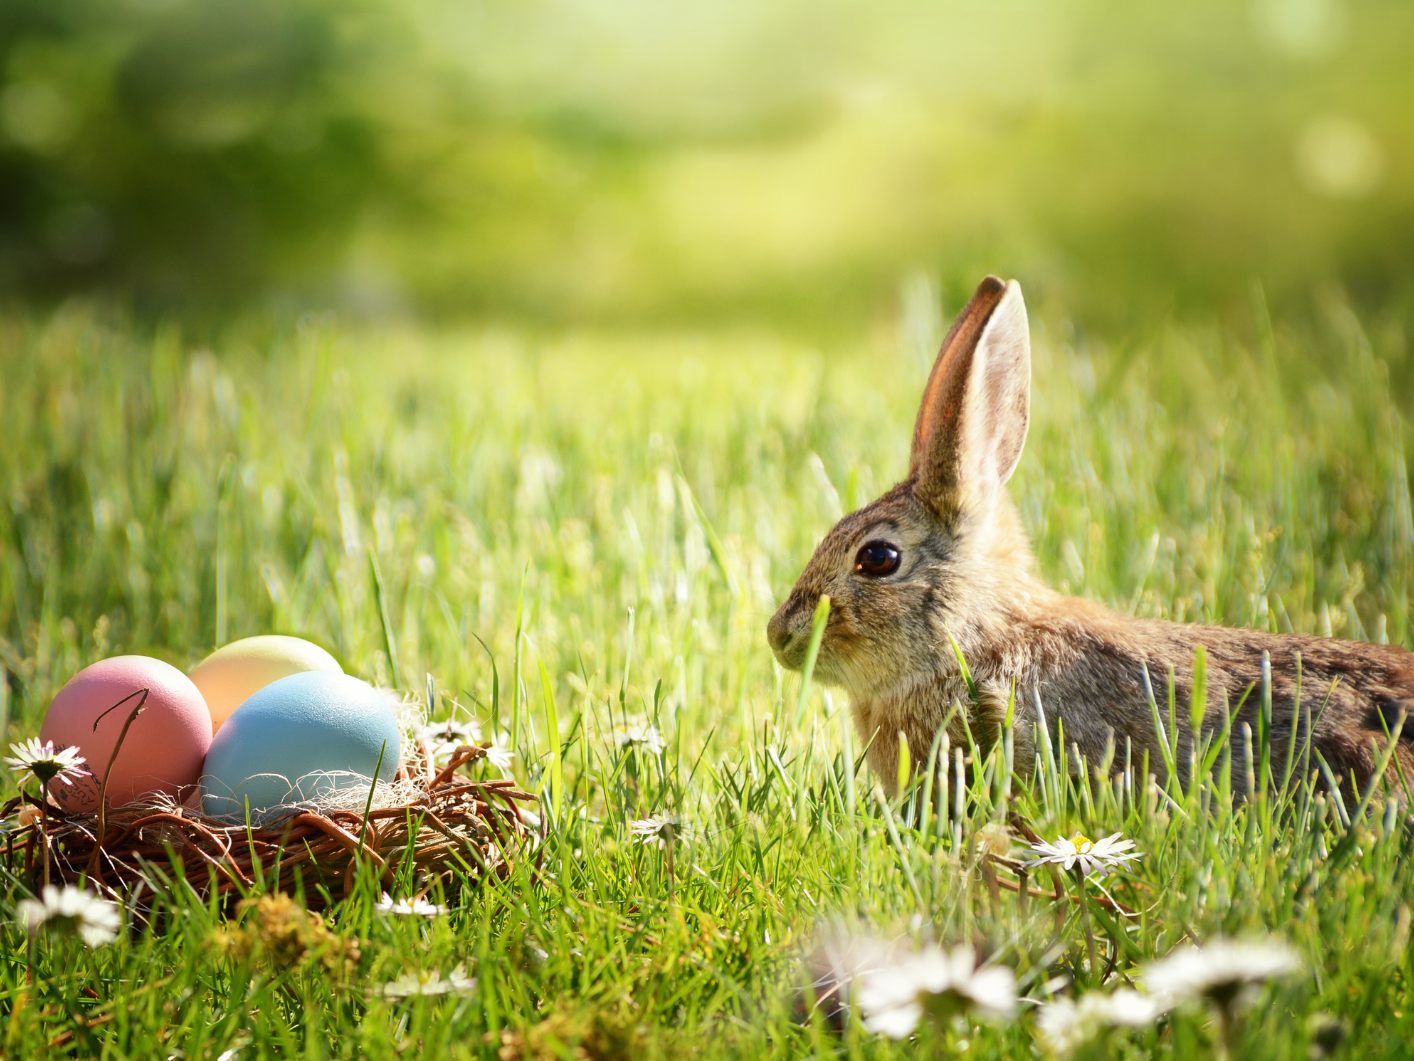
<point x="164" y="747"/>
<point x="306" y="737"/>
<point x="233" y="673"/>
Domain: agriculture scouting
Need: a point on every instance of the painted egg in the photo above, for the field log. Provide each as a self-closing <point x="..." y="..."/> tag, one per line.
<point x="235" y="672"/>
<point x="306" y="737"/>
<point x="164" y="747"/>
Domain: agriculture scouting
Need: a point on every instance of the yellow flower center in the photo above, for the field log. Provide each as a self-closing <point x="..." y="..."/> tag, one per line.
<point x="1081" y="843"/>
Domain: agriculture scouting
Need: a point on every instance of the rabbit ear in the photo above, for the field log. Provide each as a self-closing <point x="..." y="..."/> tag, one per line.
<point x="972" y="423"/>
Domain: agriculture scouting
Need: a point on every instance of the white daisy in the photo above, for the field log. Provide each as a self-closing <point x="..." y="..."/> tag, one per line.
<point x="639" y="733"/>
<point x="659" y="830"/>
<point x="1093" y="857"/>
<point x="430" y="982"/>
<point x="894" y="997"/>
<point x="95" y="921"/>
<point x="408" y="906"/>
<point x="46" y="762"/>
<point x="499" y="753"/>
<point x="838" y="960"/>
<point x="1221" y="971"/>
<point x="445" y="737"/>
<point x="1068" y="1024"/>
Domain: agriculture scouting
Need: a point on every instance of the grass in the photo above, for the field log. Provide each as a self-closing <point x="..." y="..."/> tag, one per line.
<point x="615" y="516"/>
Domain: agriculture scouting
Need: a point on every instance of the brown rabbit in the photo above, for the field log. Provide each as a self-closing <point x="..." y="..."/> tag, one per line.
<point x="942" y="557"/>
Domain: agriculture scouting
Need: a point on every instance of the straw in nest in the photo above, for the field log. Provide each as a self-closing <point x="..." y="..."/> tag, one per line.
<point x="441" y="825"/>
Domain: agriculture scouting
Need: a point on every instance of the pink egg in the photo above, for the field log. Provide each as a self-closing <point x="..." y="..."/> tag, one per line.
<point x="164" y="748"/>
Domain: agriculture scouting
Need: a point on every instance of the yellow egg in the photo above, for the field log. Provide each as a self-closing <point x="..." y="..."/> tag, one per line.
<point x="235" y="672"/>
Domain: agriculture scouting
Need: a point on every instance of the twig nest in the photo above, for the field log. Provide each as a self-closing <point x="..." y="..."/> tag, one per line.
<point x="451" y="830"/>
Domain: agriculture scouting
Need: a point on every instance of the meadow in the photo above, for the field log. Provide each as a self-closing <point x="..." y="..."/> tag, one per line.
<point x="576" y="534"/>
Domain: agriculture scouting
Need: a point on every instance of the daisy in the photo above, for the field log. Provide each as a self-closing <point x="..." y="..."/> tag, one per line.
<point x="499" y="753"/>
<point x="427" y="982"/>
<point x="1068" y="1024"/>
<point x="639" y="733"/>
<point x="1222" y="972"/>
<point x="894" y="997"/>
<point x="443" y="738"/>
<point x="659" y="830"/>
<point x="408" y="907"/>
<point x="93" y="920"/>
<point x="1093" y="857"/>
<point x="838" y="960"/>
<point x="45" y="762"/>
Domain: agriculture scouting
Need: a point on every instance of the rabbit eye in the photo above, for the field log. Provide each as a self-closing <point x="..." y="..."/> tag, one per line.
<point x="876" y="559"/>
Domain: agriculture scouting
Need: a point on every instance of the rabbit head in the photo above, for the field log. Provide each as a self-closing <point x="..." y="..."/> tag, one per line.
<point x="942" y="554"/>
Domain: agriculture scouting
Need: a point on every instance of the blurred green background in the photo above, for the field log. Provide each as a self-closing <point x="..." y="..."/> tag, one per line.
<point x="625" y="160"/>
<point x="631" y="301"/>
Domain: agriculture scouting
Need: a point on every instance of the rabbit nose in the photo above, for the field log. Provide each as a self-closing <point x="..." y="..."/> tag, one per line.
<point x="778" y="630"/>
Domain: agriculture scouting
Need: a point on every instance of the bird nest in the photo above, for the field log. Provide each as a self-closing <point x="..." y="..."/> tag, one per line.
<point x="434" y="823"/>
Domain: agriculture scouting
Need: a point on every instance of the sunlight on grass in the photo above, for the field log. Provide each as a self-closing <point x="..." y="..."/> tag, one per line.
<point x="615" y="516"/>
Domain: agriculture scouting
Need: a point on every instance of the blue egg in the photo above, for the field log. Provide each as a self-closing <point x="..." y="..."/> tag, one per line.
<point x="308" y="736"/>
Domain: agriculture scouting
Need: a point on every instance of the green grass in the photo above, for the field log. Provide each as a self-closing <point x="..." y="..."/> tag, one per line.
<point x="615" y="516"/>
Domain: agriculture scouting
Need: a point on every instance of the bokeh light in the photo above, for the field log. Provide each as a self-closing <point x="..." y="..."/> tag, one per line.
<point x="629" y="161"/>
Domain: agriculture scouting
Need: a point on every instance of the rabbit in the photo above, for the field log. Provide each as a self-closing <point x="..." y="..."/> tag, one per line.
<point x="942" y="559"/>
